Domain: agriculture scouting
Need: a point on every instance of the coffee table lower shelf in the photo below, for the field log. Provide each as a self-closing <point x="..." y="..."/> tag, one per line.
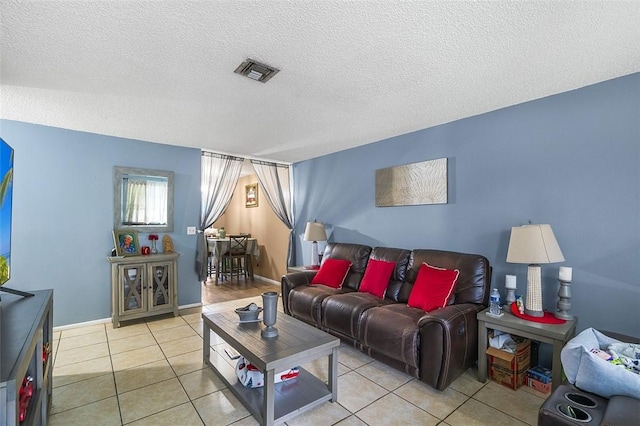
<point x="291" y="397"/>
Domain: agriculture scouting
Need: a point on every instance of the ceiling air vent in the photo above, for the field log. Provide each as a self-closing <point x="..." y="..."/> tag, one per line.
<point x="256" y="71"/>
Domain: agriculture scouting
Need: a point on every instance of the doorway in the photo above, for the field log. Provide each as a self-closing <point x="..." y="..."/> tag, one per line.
<point x="272" y="239"/>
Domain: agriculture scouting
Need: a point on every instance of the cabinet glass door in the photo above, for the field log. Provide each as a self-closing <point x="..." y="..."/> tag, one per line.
<point x="132" y="281"/>
<point x="160" y="288"/>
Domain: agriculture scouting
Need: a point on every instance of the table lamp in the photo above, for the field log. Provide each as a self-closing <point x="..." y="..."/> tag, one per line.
<point x="533" y="245"/>
<point x="315" y="232"/>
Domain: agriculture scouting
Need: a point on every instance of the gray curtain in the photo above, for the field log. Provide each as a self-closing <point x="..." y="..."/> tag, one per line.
<point x="276" y="184"/>
<point x="219" y="177"/>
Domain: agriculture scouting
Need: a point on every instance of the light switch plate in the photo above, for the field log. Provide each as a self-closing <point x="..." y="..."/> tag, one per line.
<point x="191" y="230"/>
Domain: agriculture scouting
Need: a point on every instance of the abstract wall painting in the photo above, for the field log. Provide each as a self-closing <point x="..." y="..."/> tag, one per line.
<point x="412" y="184"/>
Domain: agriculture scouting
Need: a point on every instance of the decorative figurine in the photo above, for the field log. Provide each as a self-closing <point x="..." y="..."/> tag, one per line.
<point x="167" y="244"/>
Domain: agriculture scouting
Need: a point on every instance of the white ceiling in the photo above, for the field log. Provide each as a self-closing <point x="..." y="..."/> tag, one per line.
<point x="352" y="72"/>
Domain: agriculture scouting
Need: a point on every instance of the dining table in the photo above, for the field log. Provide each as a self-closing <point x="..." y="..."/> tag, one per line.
<point x="219" y="246"/>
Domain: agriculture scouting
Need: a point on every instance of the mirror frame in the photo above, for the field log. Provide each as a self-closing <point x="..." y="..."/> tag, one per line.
<point x="119" y="173"/>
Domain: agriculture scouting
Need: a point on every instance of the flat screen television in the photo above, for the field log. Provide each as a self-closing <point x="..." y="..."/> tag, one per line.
<point x="6" y="198"/>
<point x="6" y="209"/>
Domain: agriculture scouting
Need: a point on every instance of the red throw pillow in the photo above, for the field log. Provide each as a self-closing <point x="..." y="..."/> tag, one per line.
<point x="376" y="277"/>
<point x="332" y="273"/>
<point x="433" y="287"/>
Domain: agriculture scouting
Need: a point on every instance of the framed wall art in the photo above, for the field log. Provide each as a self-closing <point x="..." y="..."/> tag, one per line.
<point x="412" y="184"/>
<point x="126" y="242"/>
<point x="251" y="199"/>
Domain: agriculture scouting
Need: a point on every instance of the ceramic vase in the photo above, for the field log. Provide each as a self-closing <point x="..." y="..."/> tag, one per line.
<point x="270" y="310"/>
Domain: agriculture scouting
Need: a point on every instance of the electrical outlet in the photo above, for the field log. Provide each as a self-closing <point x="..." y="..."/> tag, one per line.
<point x="191" y="230"/>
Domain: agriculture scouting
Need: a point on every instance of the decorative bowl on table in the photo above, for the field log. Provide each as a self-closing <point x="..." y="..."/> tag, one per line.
<point x="249" y="313"/>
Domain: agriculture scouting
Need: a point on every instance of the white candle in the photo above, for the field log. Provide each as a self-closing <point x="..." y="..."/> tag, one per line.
<point x="510" y="282"/>
<point x="565" y="273"/>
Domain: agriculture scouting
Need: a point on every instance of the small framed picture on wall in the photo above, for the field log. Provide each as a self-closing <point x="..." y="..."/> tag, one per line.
<point x="251" y="195"/>
<point x="126" y="242"/>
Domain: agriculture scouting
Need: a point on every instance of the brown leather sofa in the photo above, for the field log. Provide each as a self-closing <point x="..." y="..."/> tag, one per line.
<point x="435" y="347"/>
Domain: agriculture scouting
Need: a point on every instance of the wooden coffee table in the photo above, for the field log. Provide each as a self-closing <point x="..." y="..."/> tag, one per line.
<point x="296" y="344"/>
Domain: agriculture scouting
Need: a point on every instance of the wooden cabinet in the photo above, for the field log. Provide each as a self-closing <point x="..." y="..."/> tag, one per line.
<point x="142" y="286"/>
<point x="26" y="325"/>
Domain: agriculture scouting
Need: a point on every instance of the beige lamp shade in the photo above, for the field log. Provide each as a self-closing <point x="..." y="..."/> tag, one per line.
<point x="315" y="232"/>
<point x="533" y="245"/>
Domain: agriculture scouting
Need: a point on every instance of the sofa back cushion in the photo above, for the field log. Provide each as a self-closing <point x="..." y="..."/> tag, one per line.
<point x="473" y="283"/>
<point x="401" y="258"/>
<point x="357" y="254"/>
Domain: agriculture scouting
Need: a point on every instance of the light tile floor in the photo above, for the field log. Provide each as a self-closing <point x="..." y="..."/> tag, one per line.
<point x="151" y="373"/>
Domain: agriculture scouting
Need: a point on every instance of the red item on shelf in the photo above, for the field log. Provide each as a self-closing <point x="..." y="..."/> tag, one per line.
<point x="548" y="317"/>
<point x="25" y="393"/>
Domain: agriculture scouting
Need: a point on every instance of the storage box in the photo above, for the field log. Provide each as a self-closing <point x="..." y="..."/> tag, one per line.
<point x="538" y="385"/>
<point x="510" y="369"/>
<point x="540" y="373"/>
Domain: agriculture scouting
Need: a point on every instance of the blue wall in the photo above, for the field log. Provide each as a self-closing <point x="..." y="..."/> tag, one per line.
<point x="63" y="214"/>
<point x="571" y="160"/>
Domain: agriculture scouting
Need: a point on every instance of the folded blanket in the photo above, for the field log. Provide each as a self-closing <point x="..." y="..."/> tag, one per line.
<point x="628" y="354"/>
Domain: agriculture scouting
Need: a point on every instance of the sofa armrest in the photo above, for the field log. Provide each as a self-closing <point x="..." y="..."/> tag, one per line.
<point x="293" y="280"/>
<point x="448" y="343"/>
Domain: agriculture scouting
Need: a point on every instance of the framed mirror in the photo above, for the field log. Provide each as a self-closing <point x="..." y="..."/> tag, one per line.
<point x="143" y="199"/>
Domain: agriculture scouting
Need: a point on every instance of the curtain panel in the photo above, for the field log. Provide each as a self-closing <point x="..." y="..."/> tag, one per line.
<point x="219" y="177"/>
<point x="276" y="185"/>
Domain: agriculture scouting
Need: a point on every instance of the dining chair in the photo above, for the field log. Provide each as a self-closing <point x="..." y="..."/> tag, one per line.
<point x="212" y="267"/>
<point x="235" y="259"/>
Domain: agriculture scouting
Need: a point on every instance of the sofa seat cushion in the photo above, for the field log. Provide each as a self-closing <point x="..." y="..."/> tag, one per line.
<point x="392" y="330"/>
<point x="341" y="312"/>
<point x="305" y="301"/>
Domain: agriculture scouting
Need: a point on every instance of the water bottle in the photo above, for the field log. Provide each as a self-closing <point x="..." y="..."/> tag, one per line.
<point x="494" y="302"/>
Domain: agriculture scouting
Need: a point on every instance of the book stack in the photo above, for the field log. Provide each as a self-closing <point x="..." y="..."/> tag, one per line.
<point x="539" y="378"/>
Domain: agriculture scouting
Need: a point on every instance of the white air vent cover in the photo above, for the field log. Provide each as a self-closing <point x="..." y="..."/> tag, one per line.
<point x="256" y="71"/>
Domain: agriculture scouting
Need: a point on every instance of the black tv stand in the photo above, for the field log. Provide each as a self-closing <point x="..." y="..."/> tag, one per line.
<point x="16" y="292"/>
<point x="26" y="330"/>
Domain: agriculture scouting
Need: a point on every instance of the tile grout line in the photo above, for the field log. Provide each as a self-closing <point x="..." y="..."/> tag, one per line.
<point x="113" y="372"/>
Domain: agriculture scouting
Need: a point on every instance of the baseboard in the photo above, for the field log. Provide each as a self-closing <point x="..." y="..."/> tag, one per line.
<point x="193" y="305"/>
<point x="269" y="280"/>
<point x="81" y="324"/>
<point x="180" y="308"/>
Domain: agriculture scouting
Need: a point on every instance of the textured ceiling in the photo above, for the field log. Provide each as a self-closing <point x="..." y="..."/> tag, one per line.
<point x="352" y="72"/>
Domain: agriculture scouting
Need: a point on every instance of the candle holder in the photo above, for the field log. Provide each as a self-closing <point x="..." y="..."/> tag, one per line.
<point x="564" y="301"/>
<point x="511" y="296"/>
<point x="270" y="306"/>
<point x="510" y="287"/>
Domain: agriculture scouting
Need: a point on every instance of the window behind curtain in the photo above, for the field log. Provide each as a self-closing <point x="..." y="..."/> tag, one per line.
<point x="146" y="201"/>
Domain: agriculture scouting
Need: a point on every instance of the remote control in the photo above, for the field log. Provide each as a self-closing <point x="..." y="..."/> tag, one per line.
<point x="233" y="354"/>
